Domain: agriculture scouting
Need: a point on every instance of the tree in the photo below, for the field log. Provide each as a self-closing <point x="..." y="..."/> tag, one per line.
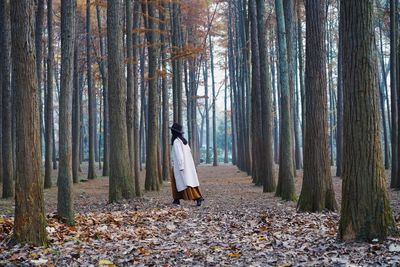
<point x="285" y="188"/>
<point x="214" y="119"/>
<point x="129" y="79"/>
<point x="64" y="182"/>
<point x="7" y="151"/>
<point x="266" y="161"/>
<point x="365" y="212"/>
<point x="92" y="97"/>
<point x="103" y="72"/>
<point x="30" y="222"/>
<point x="339" y="132"/>
<point x="49" y="100"/>
<point x="39" y="55"/>
<point x="165" y="102"/>
<point x="76" y="122"/>
<point x="395" y="174"/>
<point x="317" y="191"/>
<point x="152" y="172"/>
<point x="136" y="135"/>
<point x="121" y="180"/>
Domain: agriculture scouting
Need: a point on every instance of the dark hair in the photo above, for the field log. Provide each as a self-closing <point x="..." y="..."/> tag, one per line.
<point x="177" y="135"/>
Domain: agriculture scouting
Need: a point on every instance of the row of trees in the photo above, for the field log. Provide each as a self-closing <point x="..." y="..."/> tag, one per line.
<point x="147" y="45"/>
<point x="127" y="66"/>
<point x="272" y="84"/>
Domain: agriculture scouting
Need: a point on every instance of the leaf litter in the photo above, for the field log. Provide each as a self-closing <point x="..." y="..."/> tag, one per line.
<point x="237" y="225"/>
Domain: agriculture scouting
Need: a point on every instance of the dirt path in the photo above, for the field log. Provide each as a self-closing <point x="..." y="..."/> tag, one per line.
<point x="237" y="225"/>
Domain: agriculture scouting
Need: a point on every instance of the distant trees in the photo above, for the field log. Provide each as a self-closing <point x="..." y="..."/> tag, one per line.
<point x="30" y="222"/>
<point x="365" y="212"/>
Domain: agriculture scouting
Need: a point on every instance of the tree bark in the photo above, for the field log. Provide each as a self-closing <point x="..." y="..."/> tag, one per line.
<point x="285" y="188"/>
<point x="152" y="173"/>
<point x="317" y="191"/>
<point x="165" y="102"/>
<point x="7" y="144"/>
<point x="129" y="80"/>
<point x="91" y="97"/>
<point x="49" y="100"/>
<point x="64" y="182"/>
<point x="121" y="180"/>
<point x="39" y="55"/>
<point x="365" y="213"/>
<point x="395" y="174"/>
<point x="30" y="221"/>
<point x="76" y="122"/>
<point x="266" y="160"/>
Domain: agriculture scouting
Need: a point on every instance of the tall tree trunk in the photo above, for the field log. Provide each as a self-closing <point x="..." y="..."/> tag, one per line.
<point x="121" y="180"/>
<point x="395" y="174"/>
<point x="49" y="99"/>
<point x="214" y="119"/>
<point x="39" y="54"/>
<point x="339" y="104"/>
<point x="30" y="220"/>
<point x="266" y="160"/>
<point x="364" y="216"/>
<point x="91" y="97"/>
<point x="289" y="15"/>
<point x="226" y="111"/>
<point x="206" y="111"/>
<point x="76" y="122"/>
<point x="301" y="68"/>
<point x="129" y="82"/>
<point x="7" y="149"/>
<point x="64" y="182"/>
<point x="103" y="72"/>
<point x="317" y="191"/>
<point x="136" y="134"/>
<point x="165" y="102"/>
<point x="152" y="174"/>
<point x="285" y="188"/>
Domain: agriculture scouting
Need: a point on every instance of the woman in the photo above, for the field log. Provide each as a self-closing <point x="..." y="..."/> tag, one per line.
<point x="184" y="181"/>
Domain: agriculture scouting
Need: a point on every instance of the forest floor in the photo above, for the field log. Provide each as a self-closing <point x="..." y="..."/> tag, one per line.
<point x="237" y="225"/>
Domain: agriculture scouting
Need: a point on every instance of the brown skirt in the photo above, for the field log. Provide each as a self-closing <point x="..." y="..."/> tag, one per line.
<point x="190" y="193"/>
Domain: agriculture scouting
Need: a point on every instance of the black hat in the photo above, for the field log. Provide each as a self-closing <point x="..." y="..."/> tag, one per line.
<point x="176" y="127"/>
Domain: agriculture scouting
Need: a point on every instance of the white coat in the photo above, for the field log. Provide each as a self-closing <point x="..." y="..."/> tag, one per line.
<point x="183" y="164"/>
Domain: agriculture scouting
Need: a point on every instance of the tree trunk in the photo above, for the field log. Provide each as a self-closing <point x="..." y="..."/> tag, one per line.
<point x="206" y="111"/>
<point x="226" y="111"/>
<point x="91" y="97"/>
<point x="285" y="188"/>
<point x="165" y="102"/>
<point x="129" y="79"/>
<point x="152" y="174"/>
<point x="49" y="99"/>
<point x="39" y="54"/>
<point x="214" y="119"/>
<point x="136" y="134"/>
<point x="103" y="72"/>
<point x="317" y="191"/>
<point x="30" y="220"/>
<point x="266" y="160"/>
<point x="76" y="122"/>
<point x="7" y="150"/>
<point x="121" y="180"/>
<point x="395" y="174"/>
<point x="64" y="182"/>
<point x="339" y="104"/>
<point x="364" y="216"/>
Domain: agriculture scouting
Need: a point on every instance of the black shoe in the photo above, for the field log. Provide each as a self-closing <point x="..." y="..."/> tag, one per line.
<point x="199" y="200"/>
<point x="176" y="202"/>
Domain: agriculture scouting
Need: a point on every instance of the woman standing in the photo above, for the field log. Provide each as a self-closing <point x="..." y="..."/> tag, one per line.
<point x="184" y="181"/>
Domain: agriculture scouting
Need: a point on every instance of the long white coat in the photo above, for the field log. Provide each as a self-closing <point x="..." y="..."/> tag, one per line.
<point x="183" y="164"/>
